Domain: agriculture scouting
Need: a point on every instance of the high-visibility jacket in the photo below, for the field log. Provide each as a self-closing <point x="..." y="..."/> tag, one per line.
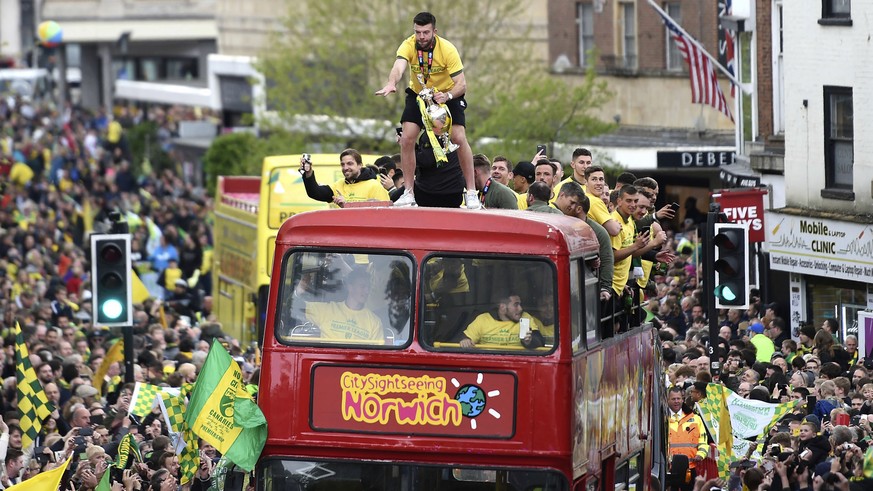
<point x="687" y="437"/>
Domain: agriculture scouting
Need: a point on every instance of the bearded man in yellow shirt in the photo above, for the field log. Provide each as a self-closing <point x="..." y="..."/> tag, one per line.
<point x="508" y="325"/>
<point x="434" y="63"/>
<point x="349" y="319"/>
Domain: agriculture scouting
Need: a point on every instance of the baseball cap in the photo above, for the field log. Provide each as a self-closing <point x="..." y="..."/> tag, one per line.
<point x="757" y="327"/>
<point x="526" y="170"/>
<point x="182" y="283"/>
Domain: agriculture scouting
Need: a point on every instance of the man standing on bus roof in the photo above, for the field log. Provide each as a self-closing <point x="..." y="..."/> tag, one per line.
<point x="434" y="62"/>
<point x="503" y="326"/>
<point x="349" y="319"/>
<point x="358" y="183"/>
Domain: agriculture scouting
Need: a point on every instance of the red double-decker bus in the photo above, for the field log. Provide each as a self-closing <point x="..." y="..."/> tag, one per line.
<point x="434" y="349"/>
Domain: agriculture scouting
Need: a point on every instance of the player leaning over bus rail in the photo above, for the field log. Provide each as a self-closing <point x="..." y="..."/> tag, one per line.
<point x="358" y="184"/>
<point x="509" y="325"/>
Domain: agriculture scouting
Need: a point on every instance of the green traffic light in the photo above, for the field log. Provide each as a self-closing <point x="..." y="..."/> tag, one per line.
<point x="725" y="293"/>
<point x="112" y="308"/>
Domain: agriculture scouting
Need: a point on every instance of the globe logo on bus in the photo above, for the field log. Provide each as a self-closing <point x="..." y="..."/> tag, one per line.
<point x="472" y="399"/>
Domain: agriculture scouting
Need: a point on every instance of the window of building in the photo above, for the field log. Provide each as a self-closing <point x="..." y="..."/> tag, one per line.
<point x="839" y="137"/>
<point x="836" y="8"/>
<point x="674" y="57"/>
<point x="585" y="21"/>
<point x="154" y="68"/>
<point x="836" y="12"/>
<point x="629" y="35"/>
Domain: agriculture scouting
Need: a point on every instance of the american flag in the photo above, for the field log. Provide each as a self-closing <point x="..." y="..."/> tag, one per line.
<point x="704" y="84"/>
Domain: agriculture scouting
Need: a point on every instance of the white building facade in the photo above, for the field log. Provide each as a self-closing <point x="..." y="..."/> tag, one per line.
<point x="823" y="238"/>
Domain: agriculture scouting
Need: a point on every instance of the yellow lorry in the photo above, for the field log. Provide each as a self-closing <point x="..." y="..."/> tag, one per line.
<point x="248" y="213"/>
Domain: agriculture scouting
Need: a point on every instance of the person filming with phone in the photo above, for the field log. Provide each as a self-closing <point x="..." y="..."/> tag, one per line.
<point x="358" y="183"/>
<point x="507" y="325"/>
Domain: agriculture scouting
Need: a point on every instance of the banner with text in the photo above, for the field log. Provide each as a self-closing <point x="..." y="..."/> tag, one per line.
<point x="744" y="207"/>
<point x="750" y="418"/>
<point x="820" y="247"/>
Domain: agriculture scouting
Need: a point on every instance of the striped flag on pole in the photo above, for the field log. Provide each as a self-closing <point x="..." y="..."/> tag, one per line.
<point x="704" y="84"/>
<point x="33" y="405"/>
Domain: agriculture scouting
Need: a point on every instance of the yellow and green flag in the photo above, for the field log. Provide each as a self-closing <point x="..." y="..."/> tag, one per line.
<point x="715" y="414"/>
<point x="221" y="412"/>
<point x="33" y="405"/>
<point x="184" y="440"/>
<point x="44" y="481"/>
<point x="114" y="355"/>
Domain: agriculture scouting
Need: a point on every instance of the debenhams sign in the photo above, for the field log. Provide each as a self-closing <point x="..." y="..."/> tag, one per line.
<point x="820" y="247"/>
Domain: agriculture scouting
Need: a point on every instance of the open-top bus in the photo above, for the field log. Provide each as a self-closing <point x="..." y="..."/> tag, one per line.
<point x="369" y="381"/>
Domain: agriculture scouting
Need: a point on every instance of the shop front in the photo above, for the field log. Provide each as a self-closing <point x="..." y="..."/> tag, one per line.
<point x="830" y="266"/>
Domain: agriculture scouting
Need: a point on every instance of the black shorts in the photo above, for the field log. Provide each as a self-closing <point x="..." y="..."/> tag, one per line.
<point x="412" y="114"/>
<point x="438" y="200"/>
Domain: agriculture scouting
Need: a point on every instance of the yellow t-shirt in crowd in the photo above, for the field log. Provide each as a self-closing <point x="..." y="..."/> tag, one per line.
<point x="598" y="210"/>
<point x="624" y="239"/>
<point x="371" y="189"/>
<point x="338" y="322"/>
<point x="522" y="201"/>
<point x="485" y="329"/>
<point x="446" y="63"/>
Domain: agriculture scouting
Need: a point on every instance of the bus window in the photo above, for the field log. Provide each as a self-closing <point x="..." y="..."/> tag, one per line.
<point x="592" y="304"/>
<point x="346" y="299"/>
<point x="296" y="475"/>
<point x="577" y="325"/>
<point x="475" y="304"/>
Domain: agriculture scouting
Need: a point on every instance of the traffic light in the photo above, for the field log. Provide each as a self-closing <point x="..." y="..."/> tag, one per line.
<point x="110" y="280"/>
<point x="731" y="253"/>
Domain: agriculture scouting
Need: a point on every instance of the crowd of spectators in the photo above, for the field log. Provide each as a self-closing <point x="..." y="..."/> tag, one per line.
<point x="64" y="172"/>
<point x="823" y="443"/>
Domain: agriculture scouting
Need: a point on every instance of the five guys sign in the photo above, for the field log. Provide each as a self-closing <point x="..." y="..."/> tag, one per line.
<point x="745" y="206"/>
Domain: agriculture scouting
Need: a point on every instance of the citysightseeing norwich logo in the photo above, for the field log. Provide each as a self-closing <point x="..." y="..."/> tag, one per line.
<point x="367" y="399"/>
<point x="450" y="403"/>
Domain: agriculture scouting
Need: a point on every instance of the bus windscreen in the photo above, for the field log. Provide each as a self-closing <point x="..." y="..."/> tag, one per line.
<point x="305" y="475"/>
<point x="337" y="298"/>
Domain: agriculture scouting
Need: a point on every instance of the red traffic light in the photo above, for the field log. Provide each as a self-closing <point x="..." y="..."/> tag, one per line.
<point x="111" y="253"/>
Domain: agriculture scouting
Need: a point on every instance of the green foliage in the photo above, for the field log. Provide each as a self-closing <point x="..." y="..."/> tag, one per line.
<point x="242" y="154"/>
<point x="334" y="54"/>
<point x="546" y="109"/>
<point x="227" y="156"/>
<point x="145" y="146"/>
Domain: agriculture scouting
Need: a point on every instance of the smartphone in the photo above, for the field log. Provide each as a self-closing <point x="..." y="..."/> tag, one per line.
<point x="524" y="327"/>
<point x="644" y="231"/>
<point x="541" y="149"/>
<point x="810" y="404"/>
<point x="399" y="130"/>
<point x="383" y="171"/>
<point x="305" y="163"/>
<point x="86" y="431"/>
<point x="675" y="206"/>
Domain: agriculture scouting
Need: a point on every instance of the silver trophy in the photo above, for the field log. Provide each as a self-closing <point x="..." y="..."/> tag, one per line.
<point x="440" y="119"/>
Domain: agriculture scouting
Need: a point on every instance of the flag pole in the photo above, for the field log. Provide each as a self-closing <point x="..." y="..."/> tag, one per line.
<point x="714" y="61"/>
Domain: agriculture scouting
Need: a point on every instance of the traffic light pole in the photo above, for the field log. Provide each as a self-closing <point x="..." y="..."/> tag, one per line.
<point x="709" y="288"/>
<point x="121" y="227"/>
